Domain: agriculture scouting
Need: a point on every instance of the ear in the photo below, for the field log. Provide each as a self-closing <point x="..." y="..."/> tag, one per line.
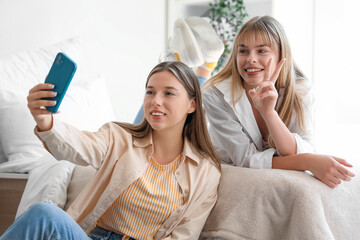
<point x="192" y="106"/>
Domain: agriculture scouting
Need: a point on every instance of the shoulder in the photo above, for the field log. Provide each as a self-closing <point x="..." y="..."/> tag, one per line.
<point x="201" y="164"/>
<point x="115" y="131"/>
<point x="208" y="168"/>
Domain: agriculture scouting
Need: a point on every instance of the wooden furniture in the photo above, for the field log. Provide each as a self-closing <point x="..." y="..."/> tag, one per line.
<point x="12" y="186"/>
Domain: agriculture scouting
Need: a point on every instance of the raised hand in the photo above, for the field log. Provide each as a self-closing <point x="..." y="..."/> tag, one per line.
<point x="264" y="96"/>
<point x="36" y="105"/>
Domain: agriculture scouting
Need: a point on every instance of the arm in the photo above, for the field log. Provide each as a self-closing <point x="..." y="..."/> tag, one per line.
<point x="62" y="140"/>
<point x="328" y="169"/>
<point x="264" y="98"/>
<point x="65" y="142"/>
<point x="231" y="141"/>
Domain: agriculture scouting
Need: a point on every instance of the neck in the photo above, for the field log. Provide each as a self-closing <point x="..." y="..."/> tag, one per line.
<point x="167" y="146"/>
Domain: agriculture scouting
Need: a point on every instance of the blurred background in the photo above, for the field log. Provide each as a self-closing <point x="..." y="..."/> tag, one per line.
<point x="124" y="39"/>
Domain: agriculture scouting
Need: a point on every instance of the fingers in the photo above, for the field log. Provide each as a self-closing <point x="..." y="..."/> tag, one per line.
<point x="268" y="70"/>
<point x="268" y="94"/>
<point x="338" y="174"/>
<point x="37" y="98"/>
<point x="346" y="172"/>
<point x="264" y="87"/>
<point x="276" y="73"/>
<point x="342" y="169"/>
<point x="41" y="86"/>
<point x="343" y="162"/>
<point x="41" y="103"/>
<point x="332" y="170"/>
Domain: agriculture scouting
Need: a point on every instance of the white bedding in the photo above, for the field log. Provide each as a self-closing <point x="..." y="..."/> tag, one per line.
<point x="48" y="180"/>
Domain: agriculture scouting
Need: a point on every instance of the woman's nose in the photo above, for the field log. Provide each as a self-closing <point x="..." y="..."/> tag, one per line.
<point x="157" y="100"/>
<point x="251" y="58"/>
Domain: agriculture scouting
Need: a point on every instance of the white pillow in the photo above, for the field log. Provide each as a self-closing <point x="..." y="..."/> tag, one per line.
<point x="20" y="72"/>
<point x="2" y="155"/>
<point x="17" y="128"/>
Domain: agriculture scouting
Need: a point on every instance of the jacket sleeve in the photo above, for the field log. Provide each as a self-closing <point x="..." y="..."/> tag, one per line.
<point x="230" y="139"/>
<point x="65" y="142"/>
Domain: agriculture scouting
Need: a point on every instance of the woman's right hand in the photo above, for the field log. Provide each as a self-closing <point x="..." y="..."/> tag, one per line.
<point x="36" y="105"/>
<point x="329" y="169"/>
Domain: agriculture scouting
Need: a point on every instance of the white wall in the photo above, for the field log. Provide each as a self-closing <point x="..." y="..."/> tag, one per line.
<point x="337" y="79"/>
<point x="324" y="35"/>
<point x="124" y="38"/>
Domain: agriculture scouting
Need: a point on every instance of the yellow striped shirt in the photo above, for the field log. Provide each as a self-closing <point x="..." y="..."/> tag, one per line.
<point x="142" y="208"/>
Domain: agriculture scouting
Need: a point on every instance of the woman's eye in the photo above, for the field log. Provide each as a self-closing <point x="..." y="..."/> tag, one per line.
<point x="169" y="93"/>
<point x="149" y="92"/>
<point x="261" y="51"/>
<point x="242" y="51"/>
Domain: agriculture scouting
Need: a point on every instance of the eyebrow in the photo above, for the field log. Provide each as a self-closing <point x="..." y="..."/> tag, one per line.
<point x="262" y="45"/>
<point x="168" y="88"/>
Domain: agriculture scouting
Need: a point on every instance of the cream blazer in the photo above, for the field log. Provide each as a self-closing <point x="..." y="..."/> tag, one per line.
<point x="235" y="133"/>
<point x="120" y="160"/>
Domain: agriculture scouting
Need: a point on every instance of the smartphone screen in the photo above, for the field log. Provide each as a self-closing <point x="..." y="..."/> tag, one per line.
<point x="60" y="75"/>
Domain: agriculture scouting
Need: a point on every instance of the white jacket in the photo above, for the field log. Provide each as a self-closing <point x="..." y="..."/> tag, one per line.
<point x="235" y="133"/>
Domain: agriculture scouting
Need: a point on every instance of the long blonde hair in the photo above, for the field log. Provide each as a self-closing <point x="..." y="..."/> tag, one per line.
<point x="195" y="128"/>
<point x="290" y="78"/>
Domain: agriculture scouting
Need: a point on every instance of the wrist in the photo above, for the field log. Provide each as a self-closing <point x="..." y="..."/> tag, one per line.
<point x="270" y="115"/>
<point x="45" y="125"/>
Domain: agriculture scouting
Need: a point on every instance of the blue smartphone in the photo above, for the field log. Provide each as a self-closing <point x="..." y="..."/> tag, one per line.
<point x="60" y="75"/>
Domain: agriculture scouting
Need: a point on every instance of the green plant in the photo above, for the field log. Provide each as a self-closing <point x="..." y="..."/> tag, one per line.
<point x="226" y="17"/>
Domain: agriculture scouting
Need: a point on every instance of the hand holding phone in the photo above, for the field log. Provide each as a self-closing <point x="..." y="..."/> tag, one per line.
<point x="60" y="75"/>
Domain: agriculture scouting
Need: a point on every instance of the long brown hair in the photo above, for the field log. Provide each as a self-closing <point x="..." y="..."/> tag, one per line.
<point x="290" y="78"/>
<point x="195" y="128"/>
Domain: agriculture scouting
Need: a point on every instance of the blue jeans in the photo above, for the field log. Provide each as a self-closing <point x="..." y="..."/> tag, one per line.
<point x="47" y="221"/>
<point x="140" y="114"/>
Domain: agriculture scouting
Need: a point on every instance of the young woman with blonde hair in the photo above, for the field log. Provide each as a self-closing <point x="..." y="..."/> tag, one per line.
<point x="260" y="107"/>
<point x="155" y="180"/>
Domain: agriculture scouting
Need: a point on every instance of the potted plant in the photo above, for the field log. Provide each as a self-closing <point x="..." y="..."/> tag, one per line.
<point x="226" y="17"/>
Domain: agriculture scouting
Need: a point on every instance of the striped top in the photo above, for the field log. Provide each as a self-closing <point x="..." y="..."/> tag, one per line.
<point x="142" y="208"/>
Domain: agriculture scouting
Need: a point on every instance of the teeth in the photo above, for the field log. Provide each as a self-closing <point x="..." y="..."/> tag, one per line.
<point x="158" y="114"/>
<point x="253" y="70"/>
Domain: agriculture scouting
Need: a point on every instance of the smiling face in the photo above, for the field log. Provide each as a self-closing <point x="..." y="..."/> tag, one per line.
<point x="253" y="55"/>
<point x="166" y="103"/>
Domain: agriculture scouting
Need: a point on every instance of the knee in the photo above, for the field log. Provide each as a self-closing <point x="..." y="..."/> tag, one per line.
<point x="45" y="210"/>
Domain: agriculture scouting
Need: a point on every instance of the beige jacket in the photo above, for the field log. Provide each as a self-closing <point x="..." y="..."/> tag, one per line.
<point x="121" y="159"/>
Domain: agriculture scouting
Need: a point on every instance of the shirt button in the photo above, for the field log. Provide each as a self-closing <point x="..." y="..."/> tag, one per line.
<point x="178" y="172"/>
<point x="186" y="191"/>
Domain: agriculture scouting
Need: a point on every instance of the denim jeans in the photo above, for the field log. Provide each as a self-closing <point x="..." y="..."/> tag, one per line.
<point x="47" y="221"/>
<point x="99" y="233"/>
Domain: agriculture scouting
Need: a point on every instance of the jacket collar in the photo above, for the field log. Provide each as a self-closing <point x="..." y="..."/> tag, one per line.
<point x="242" y="111"/>
<point x="188" y="149"/>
